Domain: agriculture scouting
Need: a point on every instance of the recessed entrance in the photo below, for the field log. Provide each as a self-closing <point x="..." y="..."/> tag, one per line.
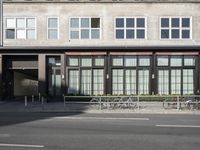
<point x="25" y="82"/>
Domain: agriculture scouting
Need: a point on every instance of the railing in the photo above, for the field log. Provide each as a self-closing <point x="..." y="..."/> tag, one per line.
<point x="137" y="101"/>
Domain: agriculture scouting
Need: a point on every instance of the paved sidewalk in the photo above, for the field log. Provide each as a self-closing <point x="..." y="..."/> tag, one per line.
<point x="153" y="108"/>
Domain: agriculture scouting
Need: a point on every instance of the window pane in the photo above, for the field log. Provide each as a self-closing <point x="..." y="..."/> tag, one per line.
<point x="175" y="81"/>
<point x="162" y="61"/>
<point x="186" y="22"/>
<point x="117" y="81"/>
<point x="163" y="82"/>
<point x="21" y="23"/>
<point x="52" y="23"/>
<point x="130" y="34"/>
<point x="73" y="82"/>
<point x="10" y="33"/>
<point x="143" y="85"/>
<point x="176" y="61"/>
<point x="85" y="22"/>
<point x="130" y="82"/>
<point x="117" y="61"/>
<point x="95" y="34"/>
<point x="144" y="61"/>
<point x="164" y="33"/>
<point x="130" y="61"/>
<point x="73" y="61"/>
<point x="30" y="23"/>
<point x="140" y="22"/>
<point x="74" y="23"/>
<point x="185" y="34"/>
<point x="10" y="23"/>
<point x="175" y="33"/>
<point x="98" y="81"/>
<point x="95" y="22"/>
<point x="119" y="34"/>
<point x="188" y="81"/>
<point x="86" y="62"/>
<point x="175" y="22"/>
<point x="31" y="34"/>
<point x="52" y="34"/>
<point x="74" y="34"/>
<point x="140" y="34"/>
<point x="21" y="34"/>
<point x="165" y="22"/>
<point x="119" y="22"/>
<point x="130" y="22"/>
<point x="84" y="34"/>
<point x="189" y="61"/>
<point x="99" y="61"/>
<point x="86" y="82"/>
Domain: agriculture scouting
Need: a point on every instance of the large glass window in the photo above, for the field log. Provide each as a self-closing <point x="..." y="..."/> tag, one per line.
<point x="52" y="28"/>
<point x="85" y="75"/>
<point x="175" y="28"/>
<point x="176" y="77"/>
<point x="130" y="28"/>
<point x="20" y="28"/>
<point x="130" y="74"/>
<point x="85" y="28"/>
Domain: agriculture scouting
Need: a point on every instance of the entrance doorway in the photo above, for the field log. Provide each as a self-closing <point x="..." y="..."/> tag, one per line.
<point x="54" y="76"/>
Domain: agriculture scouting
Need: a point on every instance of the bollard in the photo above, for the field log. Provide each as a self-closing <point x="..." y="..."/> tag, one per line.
<point x="39" y="97"/>
<point x="138" y="101"/>
<point x="100" y="103"/>
<point x="32" y="98"/>
<point x="64" y="100"/>
<point x="42" y="100"/>
<point x="178" y="103"/>
<point x="25" y="101"/>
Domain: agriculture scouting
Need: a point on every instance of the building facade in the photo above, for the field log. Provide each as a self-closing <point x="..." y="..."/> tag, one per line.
<point x="90" y="47"/>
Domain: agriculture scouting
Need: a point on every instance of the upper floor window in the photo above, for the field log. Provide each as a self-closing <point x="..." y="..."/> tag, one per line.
<point x="52" y="28"/>
<point x="85" y="28"/>
<point x="130" y="28"/>
<point x="175" y="28"/>
<point x="20" y="28"/>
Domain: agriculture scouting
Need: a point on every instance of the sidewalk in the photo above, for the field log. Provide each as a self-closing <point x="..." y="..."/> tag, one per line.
<point x="16" y="106"/>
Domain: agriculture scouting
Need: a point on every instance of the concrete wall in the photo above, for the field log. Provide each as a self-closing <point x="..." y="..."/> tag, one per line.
<point x="107" y="12"/>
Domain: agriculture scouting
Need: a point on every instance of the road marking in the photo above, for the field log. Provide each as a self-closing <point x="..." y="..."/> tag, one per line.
<point x="178" y="126"/>
<point x="101" y="118"/>
<point x="21" y="145"/>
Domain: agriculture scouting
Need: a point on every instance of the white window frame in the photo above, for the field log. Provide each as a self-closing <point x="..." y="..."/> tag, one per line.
<point x="135" y="28"/>
<point x="180" y="27"/>
<point x="58" y="27"/>
<point x="79" y="28"/>
<point x="26" y="28"/>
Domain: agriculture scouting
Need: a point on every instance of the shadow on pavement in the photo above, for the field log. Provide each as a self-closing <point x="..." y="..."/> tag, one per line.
<point x="15" y="112"/>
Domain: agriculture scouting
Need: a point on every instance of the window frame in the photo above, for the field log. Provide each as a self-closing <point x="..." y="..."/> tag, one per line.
<point x="135" y="28"/>
<point x="90" y="28"/>
<point x="58" y="27"/>
<point x="180" y="28"/>
<point x="25" y="28"/>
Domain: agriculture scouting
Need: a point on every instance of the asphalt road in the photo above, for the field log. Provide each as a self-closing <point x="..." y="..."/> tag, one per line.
<point x="55" y="131"/>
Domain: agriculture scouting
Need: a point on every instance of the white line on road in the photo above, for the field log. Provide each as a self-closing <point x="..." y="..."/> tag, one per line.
<point x="21" y="145"/>
<point x="101" y="118"/>
<point x="178" y="126"/>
